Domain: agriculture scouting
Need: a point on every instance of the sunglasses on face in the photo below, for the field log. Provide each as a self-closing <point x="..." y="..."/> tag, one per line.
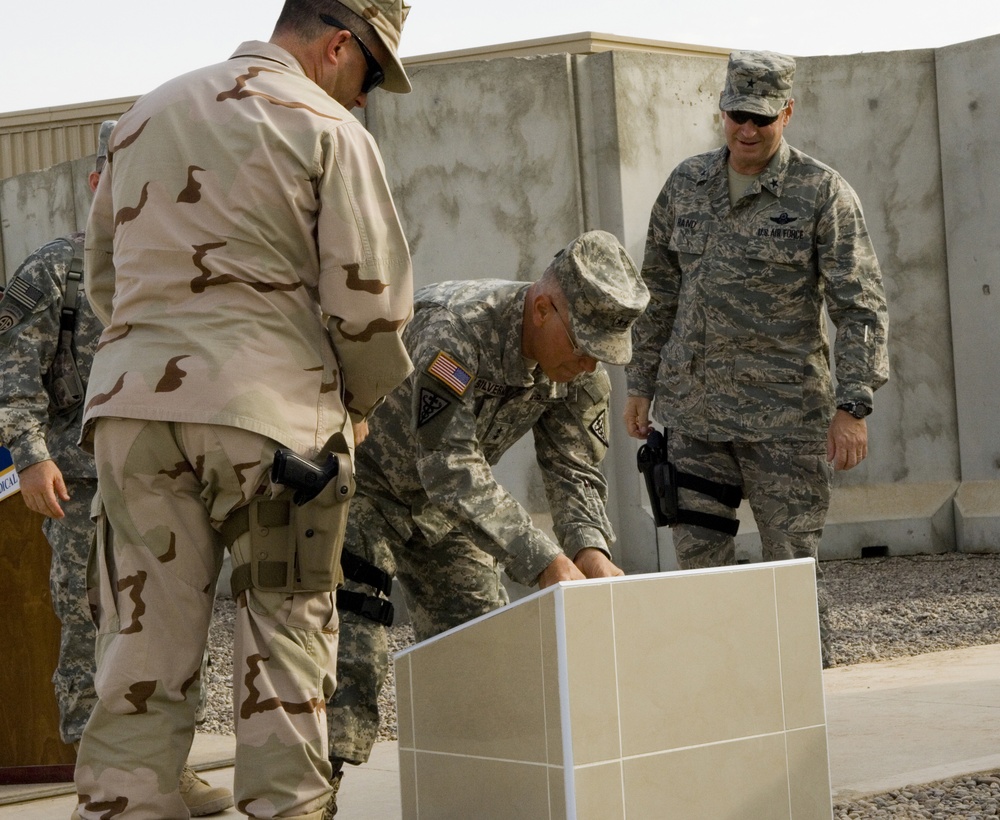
<point x="740" y="117"/>
<point x="374" y="75"/>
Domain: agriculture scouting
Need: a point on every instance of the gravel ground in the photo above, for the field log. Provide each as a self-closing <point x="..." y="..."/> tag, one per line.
<point x="881" y="608"/>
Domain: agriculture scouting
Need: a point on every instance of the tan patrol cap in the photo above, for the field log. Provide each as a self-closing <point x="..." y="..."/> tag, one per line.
<point x="381" y="19"/>
<point x="605" y="294"/>
<point x="758" y="82"/>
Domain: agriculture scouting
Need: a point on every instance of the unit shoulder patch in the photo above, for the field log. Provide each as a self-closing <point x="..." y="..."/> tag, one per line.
<point x="600" y="428"/>
<point x="431" y="405"/>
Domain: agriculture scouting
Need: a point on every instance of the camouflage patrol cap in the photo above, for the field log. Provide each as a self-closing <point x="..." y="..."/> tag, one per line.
<point x="378" y="21"/>
<point x="758" y="82"/>
<point x="604" y="292"/>
<point x="102" y="143"/>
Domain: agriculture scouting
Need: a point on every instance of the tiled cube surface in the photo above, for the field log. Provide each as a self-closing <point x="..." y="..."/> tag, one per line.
<point x="684" y="695"/>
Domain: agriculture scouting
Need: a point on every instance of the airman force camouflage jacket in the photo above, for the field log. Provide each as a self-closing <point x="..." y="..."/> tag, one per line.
<point x="734" y="343"/>
<point x="427" y="461"/>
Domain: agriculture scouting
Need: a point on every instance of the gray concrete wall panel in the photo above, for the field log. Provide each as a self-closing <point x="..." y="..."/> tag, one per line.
<point x="969" y="99"/>
<point x="484" y="165"/>
<point x="874" y="118"/>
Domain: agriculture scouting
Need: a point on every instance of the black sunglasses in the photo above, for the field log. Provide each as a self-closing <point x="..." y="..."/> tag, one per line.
<point x="740" y="117"/>
<point x="375" y="75"/>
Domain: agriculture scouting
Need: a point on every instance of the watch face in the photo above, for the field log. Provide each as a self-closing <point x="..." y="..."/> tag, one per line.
<point x="856" y="408"/>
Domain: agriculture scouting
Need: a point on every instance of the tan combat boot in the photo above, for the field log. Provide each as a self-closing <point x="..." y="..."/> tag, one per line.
<point x="200" y="797"/>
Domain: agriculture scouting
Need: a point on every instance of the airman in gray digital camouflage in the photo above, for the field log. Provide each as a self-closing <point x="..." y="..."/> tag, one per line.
<point x="493" y="361"/>
<point x="746" y="244"/>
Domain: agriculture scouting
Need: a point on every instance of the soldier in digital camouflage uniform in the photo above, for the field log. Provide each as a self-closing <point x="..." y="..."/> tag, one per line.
<point x="41" y="412"/>
<point x="745" y="246"/>
<point x="245" y="253"/>
<point x="493" y="361"/>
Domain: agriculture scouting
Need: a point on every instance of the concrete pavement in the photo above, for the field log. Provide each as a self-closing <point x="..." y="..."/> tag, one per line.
<point x="905" y="721"/>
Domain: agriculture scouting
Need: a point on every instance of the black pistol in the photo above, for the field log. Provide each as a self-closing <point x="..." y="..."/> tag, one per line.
<point x="302" y="475"/>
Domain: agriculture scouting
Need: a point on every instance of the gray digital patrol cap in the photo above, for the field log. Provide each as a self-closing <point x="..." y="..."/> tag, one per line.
<point x="758" y="82"/>
<point x="605" y="294"/>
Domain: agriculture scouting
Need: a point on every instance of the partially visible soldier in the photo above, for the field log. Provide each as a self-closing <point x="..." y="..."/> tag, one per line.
<point x="494" y="360"/>
<point x="48" y="335"/>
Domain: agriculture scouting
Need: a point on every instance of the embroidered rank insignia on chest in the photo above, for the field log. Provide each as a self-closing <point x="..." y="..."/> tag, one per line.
<point x="431" y="405"/>
<point x="600" y="428"/>
<point x="445" y="369"/>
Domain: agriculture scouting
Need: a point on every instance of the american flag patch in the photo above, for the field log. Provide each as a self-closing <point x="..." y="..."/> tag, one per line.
<point x="447" y="370"/>
<point x="21" y="291"/>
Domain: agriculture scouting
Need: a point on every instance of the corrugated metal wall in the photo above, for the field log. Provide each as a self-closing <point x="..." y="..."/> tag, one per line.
<point x="41" y="138"/>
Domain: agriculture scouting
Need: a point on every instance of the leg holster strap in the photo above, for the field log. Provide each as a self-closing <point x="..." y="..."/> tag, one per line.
<point x="367" y="606"/>
<point x="729" y="494"/>
<point x="730" y="526"/>
<point x="358" y="569"/>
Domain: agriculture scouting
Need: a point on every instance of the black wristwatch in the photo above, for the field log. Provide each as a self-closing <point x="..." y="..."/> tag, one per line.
<point x="858" y="409"/>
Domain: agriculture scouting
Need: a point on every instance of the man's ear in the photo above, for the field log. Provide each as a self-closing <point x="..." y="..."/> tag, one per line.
<point x="337" y="42"/>
<point x="541" y="307"/>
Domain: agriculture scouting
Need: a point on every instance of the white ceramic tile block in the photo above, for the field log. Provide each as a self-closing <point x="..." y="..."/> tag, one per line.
<point x="683" y="695"/>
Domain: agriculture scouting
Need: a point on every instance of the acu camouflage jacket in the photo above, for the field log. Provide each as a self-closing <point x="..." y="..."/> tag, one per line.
<point x="427" y="461"/>
<point x="30" y="425"/>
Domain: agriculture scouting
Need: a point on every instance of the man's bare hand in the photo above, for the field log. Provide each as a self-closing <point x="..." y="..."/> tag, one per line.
<point x="846" y="441"/>
<point x="561" y="569"/>
<point x="594" y="563"/>
<point x="636" y="416"/>
<point x="42" y="487"/>
<point x="360" y="431"/>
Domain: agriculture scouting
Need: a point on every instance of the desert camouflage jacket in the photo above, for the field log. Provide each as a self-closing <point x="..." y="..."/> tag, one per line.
<point x="734" y="343"/>
<point x="427" y="461"/>
<point x="245" y="251"/>
<point x="31" y="426"/>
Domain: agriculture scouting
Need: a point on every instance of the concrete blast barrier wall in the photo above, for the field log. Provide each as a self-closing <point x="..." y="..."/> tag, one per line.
<point x="495" y="164"/>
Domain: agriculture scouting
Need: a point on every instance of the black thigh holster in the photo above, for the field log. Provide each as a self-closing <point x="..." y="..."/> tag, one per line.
<point x="663" y="480"/>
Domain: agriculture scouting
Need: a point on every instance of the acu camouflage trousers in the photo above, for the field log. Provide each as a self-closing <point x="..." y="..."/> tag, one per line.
<point x="166" y="488"/>
<point x="443" y="584"/>
<point x="70" y="539"/>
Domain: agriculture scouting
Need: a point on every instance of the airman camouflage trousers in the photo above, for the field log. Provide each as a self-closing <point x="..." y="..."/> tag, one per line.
<point x="70" y="539"/>
<point x="787" y="485"/>
<point x="444" y="585"/>
<point x="165" y="490"/>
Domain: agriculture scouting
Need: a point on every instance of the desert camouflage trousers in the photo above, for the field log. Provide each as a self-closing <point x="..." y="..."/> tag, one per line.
<point x="787" y="485"/>
<point x="70" y="539"/>
<point x="444" y="585"/>
<point x="165" y="490"/>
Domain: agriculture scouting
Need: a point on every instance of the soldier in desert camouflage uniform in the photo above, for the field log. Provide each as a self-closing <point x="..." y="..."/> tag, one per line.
<point x="493" y="361"/>
<point x="245" y="252"/>
<point x="745" y="246"/>
<point x="48" y="334"/>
